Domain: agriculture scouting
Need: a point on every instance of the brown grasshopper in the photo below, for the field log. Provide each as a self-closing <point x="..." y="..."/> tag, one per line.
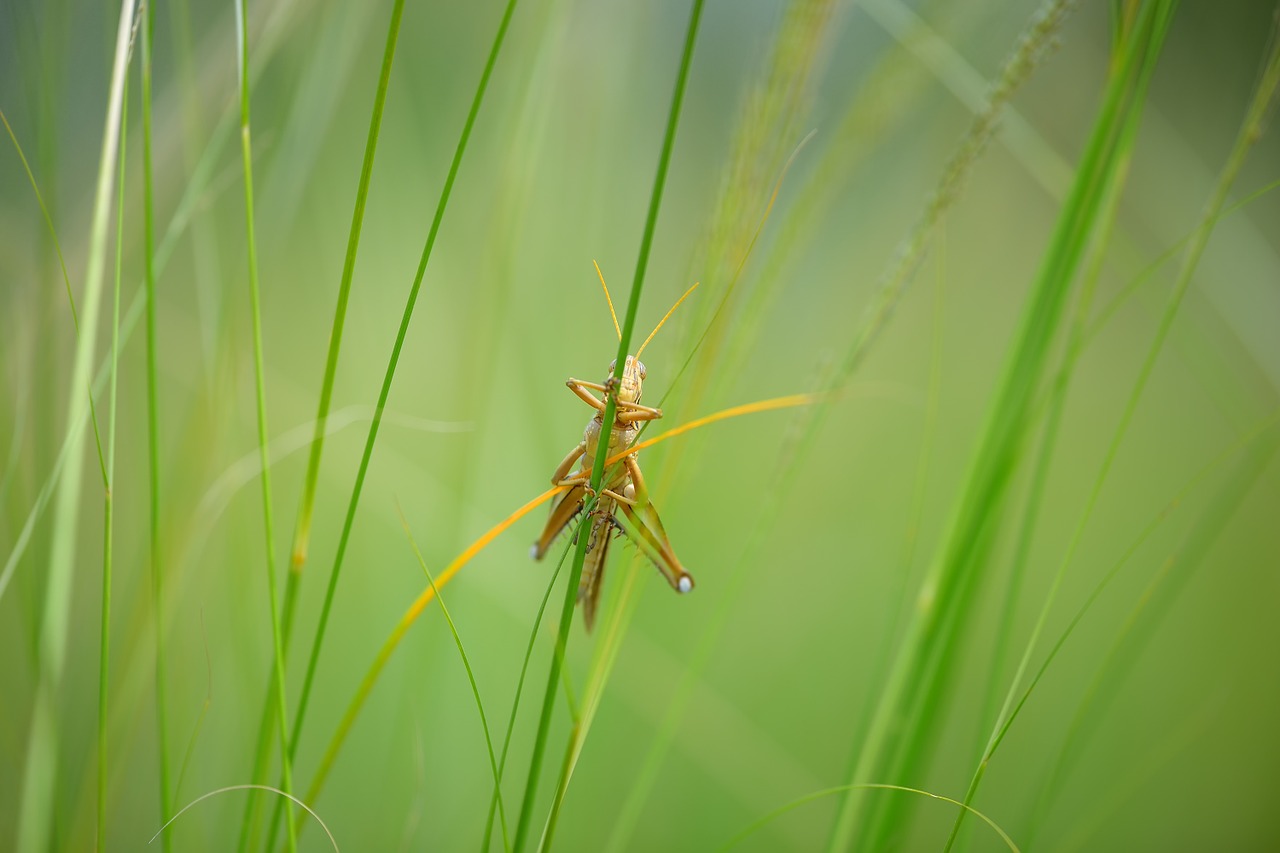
<point x="623" y="487"/>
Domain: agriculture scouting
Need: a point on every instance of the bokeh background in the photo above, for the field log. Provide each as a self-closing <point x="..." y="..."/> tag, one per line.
<point x="773" y="662"/>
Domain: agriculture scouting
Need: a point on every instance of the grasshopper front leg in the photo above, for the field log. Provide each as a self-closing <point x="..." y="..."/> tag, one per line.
<point x="627" y="412"/>
<point x="577" y="386"/>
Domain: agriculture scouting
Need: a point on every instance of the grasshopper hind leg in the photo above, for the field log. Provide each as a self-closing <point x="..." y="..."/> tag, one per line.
<point x="645" y="529"/>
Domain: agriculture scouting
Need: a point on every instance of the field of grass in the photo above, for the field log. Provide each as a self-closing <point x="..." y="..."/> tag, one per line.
<point x="289" y="290"/>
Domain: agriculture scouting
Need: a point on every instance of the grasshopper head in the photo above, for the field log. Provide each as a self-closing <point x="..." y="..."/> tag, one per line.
<point x="632" y="378"/>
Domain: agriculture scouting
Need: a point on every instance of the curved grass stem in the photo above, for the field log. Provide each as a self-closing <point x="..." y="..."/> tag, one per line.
<point x="246" y="152"/>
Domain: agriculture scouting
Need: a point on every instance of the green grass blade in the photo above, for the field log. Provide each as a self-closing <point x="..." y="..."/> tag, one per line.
<point x="1250" y="131"/>
<point x="1097" y="192"/>
<point x="349" y="520"/>
<point x="153" y="434"/>
<point x="597" y="470"/>
<point x="1045" y="452"/>
<point x="108" y="527"/>
<point x="897" y="728"/>
<point x="306" y="507"/>
<point x="246" y="153"/>
<point x="38" y="787"/>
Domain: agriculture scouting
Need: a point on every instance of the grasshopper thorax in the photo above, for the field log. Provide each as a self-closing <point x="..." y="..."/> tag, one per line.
<point x="629" y="385"/>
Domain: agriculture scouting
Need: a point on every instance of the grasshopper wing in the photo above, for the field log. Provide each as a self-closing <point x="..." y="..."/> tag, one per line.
<point x="602" y="532"/>
<point x="564" y="511"/>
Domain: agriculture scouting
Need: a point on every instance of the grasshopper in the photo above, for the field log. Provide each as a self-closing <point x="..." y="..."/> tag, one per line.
<point x="623" y="488"/>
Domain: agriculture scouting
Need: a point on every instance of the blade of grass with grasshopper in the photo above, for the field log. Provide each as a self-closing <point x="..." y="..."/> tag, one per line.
<point x="623" y="488"/>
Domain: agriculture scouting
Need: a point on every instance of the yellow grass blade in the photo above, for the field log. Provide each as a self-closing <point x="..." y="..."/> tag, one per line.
<point x="788" y="402"/>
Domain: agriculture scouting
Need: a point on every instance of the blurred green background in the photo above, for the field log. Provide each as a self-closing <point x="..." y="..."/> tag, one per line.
<point x="1183" y="749"/>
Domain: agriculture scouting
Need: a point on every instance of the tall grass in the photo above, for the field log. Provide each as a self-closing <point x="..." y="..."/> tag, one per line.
<point x="259" y="381"/>
<point x="306" y="506"/>
<point x="1249" y="133"/>
<point x="1078" y="435"/>
<point x="597" y="469"/>
<point x="891" y="748"/>
<point x="153" y="429"/>
<point x="291" y="743"/>
<point x="42" y="754"/>
<point x="108" y="524"/>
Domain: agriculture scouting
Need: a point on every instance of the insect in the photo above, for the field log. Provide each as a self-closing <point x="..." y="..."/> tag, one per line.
<point x="623" y="488"/>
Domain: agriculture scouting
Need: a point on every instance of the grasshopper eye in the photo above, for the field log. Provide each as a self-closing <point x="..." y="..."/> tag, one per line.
<point x="640" y="366"/>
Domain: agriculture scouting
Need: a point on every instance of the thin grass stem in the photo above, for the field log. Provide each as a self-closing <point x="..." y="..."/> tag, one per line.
<point x="246" y="153"/>
<point x="349" y="520"/>
<point x="306" y="506"/>
<point x="108" y="526"/>
<point x="153" y="431"/>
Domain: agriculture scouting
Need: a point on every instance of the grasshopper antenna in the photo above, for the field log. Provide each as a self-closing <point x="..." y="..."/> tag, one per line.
<point x="609" y="299"/>
<point x="665" y="318"/>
